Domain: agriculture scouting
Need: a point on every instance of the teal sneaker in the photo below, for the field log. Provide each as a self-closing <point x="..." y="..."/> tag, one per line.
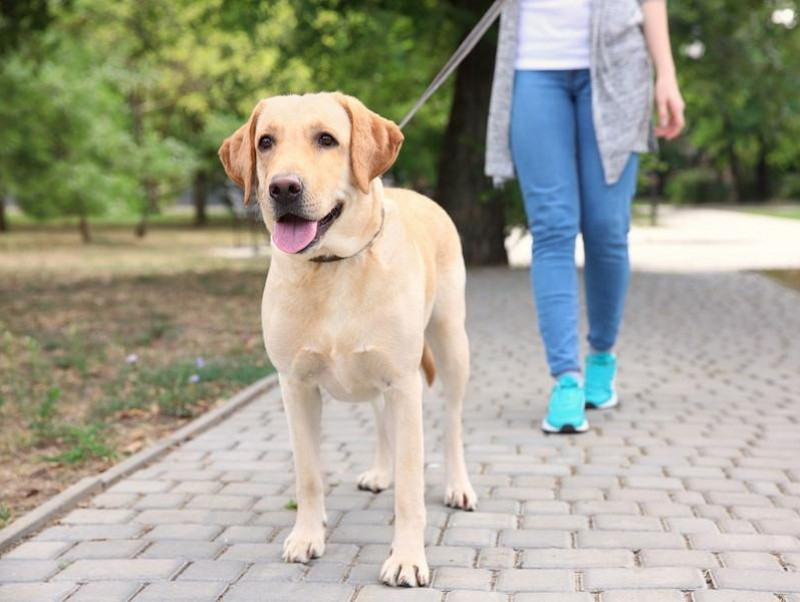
<point x="566" y="412"/>
<point x="601" y="377"/>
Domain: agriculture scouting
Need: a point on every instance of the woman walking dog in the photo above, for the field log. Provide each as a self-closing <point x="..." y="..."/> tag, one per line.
<point x="571" y="107"/>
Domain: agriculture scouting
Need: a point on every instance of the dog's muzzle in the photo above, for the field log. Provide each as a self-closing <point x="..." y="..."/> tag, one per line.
<point x="295" y="233"/>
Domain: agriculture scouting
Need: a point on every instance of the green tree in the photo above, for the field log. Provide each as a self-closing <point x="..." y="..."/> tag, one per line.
<point x="132" y="41"/>
<point x="18" y="21"/>
<point x="77" y="139"/>
<point x="739" y="72"/>
<point x="186" y="67"/>
<point x="226" y="60"/>
<point x="63" y="147"/>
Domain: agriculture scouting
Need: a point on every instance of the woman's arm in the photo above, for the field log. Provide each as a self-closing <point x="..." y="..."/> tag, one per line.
<point x="669" y="102"/>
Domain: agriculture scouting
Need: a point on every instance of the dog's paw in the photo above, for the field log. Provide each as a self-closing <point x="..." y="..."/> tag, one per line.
<point x="461" y="496"/>
<point x="406" y="570"/>
<point x="303" y="545"/>
<point x="374" y="480"/>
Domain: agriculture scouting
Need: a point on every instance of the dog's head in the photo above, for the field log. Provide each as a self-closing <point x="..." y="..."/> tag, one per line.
<point x="311" y="158"/>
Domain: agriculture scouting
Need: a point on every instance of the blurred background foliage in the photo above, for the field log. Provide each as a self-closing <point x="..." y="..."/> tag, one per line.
<point x="117" y="107"/>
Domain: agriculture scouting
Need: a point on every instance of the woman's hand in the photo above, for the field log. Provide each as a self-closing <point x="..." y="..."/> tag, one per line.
<point x="669" y="102"/>
<point x="669" y="105"/>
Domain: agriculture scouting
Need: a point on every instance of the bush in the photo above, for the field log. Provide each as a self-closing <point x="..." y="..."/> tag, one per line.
<point x="789" y="188"/>
<point x="697" y="185"/>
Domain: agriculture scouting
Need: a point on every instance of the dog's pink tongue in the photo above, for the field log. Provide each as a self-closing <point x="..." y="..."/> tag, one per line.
<point x="294" y="234"/>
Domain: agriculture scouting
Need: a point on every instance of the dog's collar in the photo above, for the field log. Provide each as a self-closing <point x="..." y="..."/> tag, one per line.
<point x="332" y="258"/>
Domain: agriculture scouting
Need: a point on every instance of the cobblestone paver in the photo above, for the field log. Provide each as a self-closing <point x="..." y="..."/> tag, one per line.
<point x="688" y="492"/>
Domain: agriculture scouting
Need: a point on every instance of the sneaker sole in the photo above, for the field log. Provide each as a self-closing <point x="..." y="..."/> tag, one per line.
<point x="606" y="405"/>
<point x="567" y="429"/>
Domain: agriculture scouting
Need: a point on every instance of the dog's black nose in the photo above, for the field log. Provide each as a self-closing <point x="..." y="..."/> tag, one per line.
<point x="285" y="189"/>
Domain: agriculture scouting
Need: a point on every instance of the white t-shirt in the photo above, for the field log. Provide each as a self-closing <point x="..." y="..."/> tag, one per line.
<point x="554" y="34"/>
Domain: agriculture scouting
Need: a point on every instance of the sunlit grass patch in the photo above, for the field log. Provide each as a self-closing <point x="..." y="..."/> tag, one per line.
<point x="790" y="278"/>
<point x="787" y="211"/>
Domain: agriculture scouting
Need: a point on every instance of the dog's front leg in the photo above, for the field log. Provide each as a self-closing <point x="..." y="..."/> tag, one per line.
<point x="406" y="564"/>
<point x="303" y="406"/>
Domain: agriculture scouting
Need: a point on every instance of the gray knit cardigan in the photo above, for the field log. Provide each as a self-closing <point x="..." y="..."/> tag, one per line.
<point x="622" y="88"/>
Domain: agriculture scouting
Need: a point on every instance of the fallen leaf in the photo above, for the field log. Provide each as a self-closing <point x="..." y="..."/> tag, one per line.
<point x="133" y="446"/>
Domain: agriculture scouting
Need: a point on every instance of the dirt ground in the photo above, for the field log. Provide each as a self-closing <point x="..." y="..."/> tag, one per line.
<point x="106" y="347"/>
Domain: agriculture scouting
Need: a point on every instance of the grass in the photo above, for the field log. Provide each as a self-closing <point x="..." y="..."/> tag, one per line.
<point x="82" y="444"/>
<point x="175" y="217"/>
<point x="172" y="389"/>
<point x="790" y="278"/>
<point x="786" y="211"/>
<point x="106" y="347"/>
<point x="42" y="425"/>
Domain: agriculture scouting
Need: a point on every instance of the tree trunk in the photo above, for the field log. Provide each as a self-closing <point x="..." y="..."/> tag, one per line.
<point x="135" y="103"/>
<point x="655" y="197"/>
<point x="739" y="193"/>
<point x="3" y="222"/>
<point x="200" y="198"/>
<point x="150" y="207"/>
<point x="462" y="188"/>
<point x="763" y="188"/>
<point x="141" y="226"/>
<point x="83" y="226"/>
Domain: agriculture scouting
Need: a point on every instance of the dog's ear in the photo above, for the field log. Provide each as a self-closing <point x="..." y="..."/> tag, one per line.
<point x="238" y="154"/>
<point x="374" y="142"/>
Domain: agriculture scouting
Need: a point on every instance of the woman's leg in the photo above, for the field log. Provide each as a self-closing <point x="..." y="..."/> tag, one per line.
<point x="605" y="221"/>
<point x="543" y="145"/>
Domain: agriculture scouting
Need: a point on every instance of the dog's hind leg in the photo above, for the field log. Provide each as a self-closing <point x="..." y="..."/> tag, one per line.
<point x="447" y="336"/>
<point x="380" y="476"/>
<point x="303" y="406"/>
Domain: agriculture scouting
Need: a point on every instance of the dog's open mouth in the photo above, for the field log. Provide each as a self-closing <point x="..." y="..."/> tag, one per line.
<point x="295" y="234"/>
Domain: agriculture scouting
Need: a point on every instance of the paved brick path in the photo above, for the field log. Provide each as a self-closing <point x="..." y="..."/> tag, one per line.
<point x="690" y="491"/>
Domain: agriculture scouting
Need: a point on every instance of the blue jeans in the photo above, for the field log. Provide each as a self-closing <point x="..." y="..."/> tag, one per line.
<point x="561" y="175"/>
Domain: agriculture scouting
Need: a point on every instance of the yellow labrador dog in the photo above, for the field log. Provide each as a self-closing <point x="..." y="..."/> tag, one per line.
<point x="362" y="280"/>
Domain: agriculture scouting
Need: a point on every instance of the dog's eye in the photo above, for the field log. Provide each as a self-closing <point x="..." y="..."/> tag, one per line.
<point x="265" y="143"/>
<point x="327" y="140"/>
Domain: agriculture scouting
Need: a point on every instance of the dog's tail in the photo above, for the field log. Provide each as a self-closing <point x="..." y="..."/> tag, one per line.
<point x="428" y="365"/>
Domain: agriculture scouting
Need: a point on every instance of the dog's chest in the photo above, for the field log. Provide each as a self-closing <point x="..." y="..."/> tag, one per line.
<point x="349" y="364"/>
<point x="346" y="372"/>
<point x="353" y="351"/>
